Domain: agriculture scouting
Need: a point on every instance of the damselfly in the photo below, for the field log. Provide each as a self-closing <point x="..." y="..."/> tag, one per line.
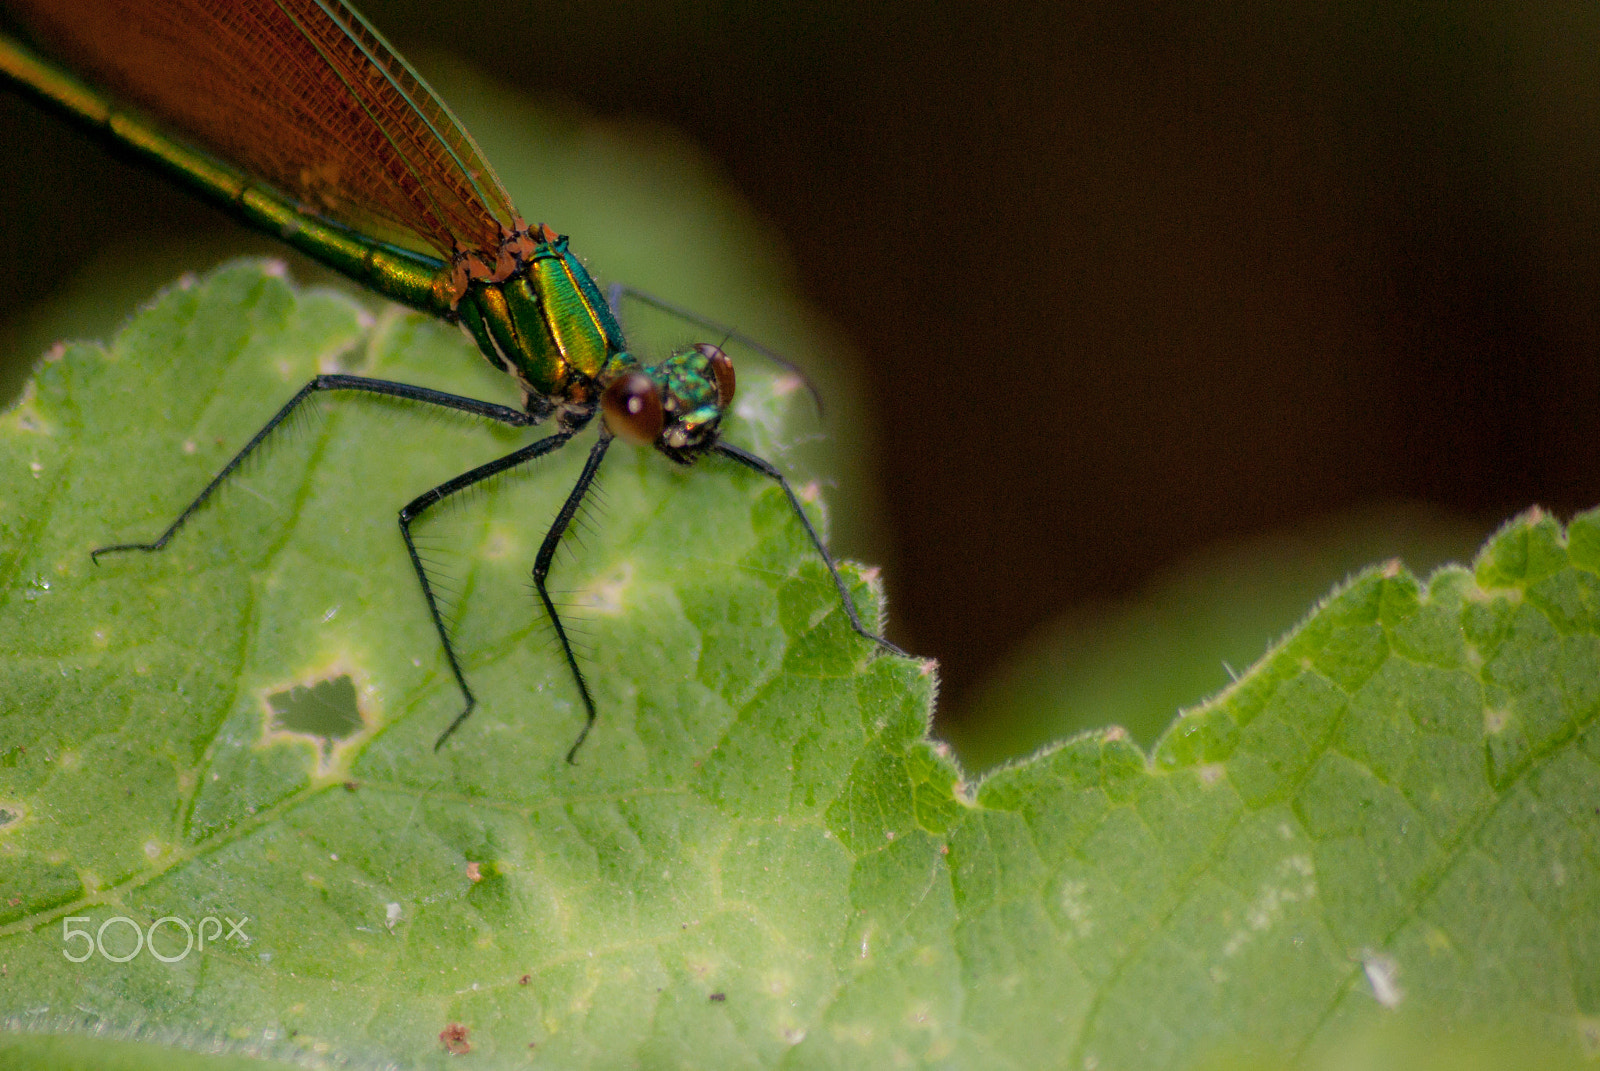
<point x="299" y="119"/>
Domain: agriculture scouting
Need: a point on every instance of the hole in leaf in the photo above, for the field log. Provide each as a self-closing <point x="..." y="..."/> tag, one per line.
<point x="327" y="709"/>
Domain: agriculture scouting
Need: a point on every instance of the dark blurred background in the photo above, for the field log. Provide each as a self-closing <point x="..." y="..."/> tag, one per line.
<point x="1129" y="278"/>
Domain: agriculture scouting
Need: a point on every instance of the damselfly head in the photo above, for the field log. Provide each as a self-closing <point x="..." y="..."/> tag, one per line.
<point x="676" y="406"/>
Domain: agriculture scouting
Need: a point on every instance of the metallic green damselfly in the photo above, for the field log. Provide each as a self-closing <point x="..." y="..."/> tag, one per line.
<point x="298" y="118"/>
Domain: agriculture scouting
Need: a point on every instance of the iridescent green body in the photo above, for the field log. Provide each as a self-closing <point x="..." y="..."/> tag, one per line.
<point x="549" y="327"/>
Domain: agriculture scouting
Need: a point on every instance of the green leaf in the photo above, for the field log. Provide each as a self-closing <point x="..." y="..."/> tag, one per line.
<point x="155" y="764"/>
<point x="1200" y="622"/>
<point x="1389" y="827"/>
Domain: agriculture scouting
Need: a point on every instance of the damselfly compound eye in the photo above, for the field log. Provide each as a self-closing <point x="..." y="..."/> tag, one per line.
<point x="722" y="368"/>
<point x="632" y="407"/>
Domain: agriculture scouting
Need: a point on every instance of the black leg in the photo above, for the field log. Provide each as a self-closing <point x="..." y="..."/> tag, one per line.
<point x="541" y="570"/>
<point x="617" y="291"/>
<point x="419" y="505"/>
<point x="502" y="413"/>
<point x="766" y="468"/>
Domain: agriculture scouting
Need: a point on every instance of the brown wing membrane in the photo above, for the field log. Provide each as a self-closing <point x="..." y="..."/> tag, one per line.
<point x="302" y="94"/>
